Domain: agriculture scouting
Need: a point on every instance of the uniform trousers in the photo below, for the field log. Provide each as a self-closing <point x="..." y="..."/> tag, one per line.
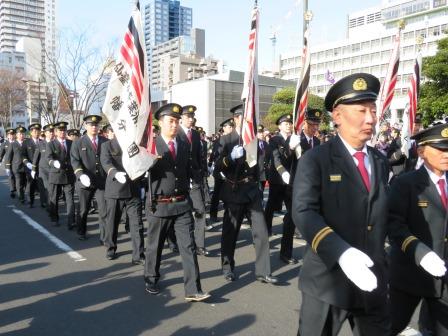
<point x="132" y="207"/>
<point x="318" y="318"/>
<point x="206" y="190"/>
<point x="214" y="202"/>
<point x="184" y="229"/>
<point x="12" y="182"/>
<point x="404" y="304"/>
<point x="31" y="186"/>
<point x="85" y="201"/>
<point x="43" y="186"/>
<point x="20" y="184"/>
<point x="233" y="217"/>
<point x="277" y="194"/>
<point x="55" y="192"/>
<point x="199" y="215"/>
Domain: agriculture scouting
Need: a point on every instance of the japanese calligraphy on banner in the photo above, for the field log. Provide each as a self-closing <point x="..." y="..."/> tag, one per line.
<point x="127" y="104"/>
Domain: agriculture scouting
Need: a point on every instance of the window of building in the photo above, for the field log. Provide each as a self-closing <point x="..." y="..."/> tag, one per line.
<point x="434" y="31"/>
<point x="337" y="51"/>
<point x="347" y="50"/>
<point x="375" y="43"/>
<point x="365" y="46"/>
<point x="385" y="55"/>
<point x="421" y="32"/>
<point x="356" y="47"/>
<point x="386" y="41"/>
<point x="408" y="36"/>
<point x="365" y="59"/>
<point x="355" y="59"/>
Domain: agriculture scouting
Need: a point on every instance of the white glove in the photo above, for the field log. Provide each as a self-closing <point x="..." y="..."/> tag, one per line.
<point x="355" y="264"/>
<point x="237" y="152"/>
<point x="56" y="164"/>
<point x="120" y="177"/>
<point x="142" y="193"/>
<point x="286" y="177"/>
<point x="33" y="174"/>
<point x="29" y="166"/>
<point x="147" y="174"/>
<point x="294" y="141"/>
<point x="85" y="180"/>
<point x="8" y="172"/>
<point x="432" y="264"/>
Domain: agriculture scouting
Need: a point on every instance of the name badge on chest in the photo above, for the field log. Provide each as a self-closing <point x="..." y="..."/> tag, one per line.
<point x="335" y="178"/>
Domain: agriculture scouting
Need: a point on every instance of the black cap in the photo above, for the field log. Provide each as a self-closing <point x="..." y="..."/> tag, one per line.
<point x="228" y="122"/>
<point x="436" y="136"/>
<point x="107" y="128"/>
<point x="354" y="88"/>
<point x="73" y="131"/>
<point x="260" y="128"/>
<point x="49" y="127"/>
<point x="188" y="109"/>
<point x="20" y="129"/>
<point x="237" y="110"/>
<point x="62" y="125"/>
<point x="313" y="115"/>
<point x="418" y="118"/>
<point x="172" y="110"/>
<point x="35" y="126"/>
<point x="10" y="131"/>
<point x="92" y="119"/>
<point x="199" y="129"/>
<point x="285" y="117"/>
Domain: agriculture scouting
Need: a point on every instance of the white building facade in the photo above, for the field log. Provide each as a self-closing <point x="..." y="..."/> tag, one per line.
<point x="369" y="44"/>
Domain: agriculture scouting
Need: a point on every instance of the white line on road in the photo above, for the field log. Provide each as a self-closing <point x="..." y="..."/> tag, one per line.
<point x="56" y="241"/>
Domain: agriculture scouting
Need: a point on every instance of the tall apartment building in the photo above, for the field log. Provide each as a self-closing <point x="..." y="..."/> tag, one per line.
<point x="369" y="44"/>
<point x="165" y="20"/>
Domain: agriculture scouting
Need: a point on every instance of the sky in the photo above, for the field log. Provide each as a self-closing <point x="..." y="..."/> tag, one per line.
<point x="226" y="24"/>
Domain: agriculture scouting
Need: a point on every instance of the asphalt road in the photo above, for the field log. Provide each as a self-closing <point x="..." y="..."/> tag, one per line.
<point x="53" y="284"/>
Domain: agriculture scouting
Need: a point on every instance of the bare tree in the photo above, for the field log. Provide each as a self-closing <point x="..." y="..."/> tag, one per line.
<point x="12" y="95"/>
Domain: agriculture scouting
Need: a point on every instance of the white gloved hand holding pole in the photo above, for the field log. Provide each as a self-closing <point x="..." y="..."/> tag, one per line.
<point x="286" y="177"/>
<point x="433" y="264"/>
<point x="294" y="141"/>
<point x="85" y="180"/>
<point x="121" y="177"/>
<point x="237" y="152"/>
<point x="33" y="174"/>
<point x="56" y="164"/>
<point x="8" y="172"/>
<point x="29" y="165"/>
<point x="355" y="264"/>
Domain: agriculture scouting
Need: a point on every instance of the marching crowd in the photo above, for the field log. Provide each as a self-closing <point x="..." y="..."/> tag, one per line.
<point x="374" y="219"/>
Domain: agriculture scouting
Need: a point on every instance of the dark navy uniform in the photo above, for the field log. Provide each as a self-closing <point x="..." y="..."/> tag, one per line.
<point x="85" y="160"/>
<point x="417" y="226"/>
<point x="14" y="160"/>
<point x="11" y="179"/>
<point x="31" y="146"/>
<point x="41" y="168"/>
<point x="121" y="197"/>
<point x="168" y="205"/>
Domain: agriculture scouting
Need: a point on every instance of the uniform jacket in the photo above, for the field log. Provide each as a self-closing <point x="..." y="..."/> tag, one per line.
<point x="54" y="151"/>
<point x="264" y="159"/>
<point x="195" y="152"/>
<point x="39" y="159"/>
<point x="214" y="156"/>
<point x="31" y="147"/>
<point x="281" y="160"/>
<point x="86" y="161"/>
<point x="4" y="148"/>
<point x="111" y="160"/>
<point x="396" y="157"/>
<point x="204" y="158"/>
<point x="241" y="184"/>
<point x="168" y="178"/>
<point x="16" y="156"/>
<point x="304" y="144"/>
<point x="334" y="211"/>
<point x="417" y="225"/>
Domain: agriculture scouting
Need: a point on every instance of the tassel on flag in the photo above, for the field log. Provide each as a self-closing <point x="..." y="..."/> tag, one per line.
<point x="127" y="104"/>
<point x="250" y="95"/>
<point x="301" y="98"/>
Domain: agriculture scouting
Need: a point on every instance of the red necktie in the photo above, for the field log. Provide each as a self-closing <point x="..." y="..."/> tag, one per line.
<point x="95" y="147"/>
<point x="189" y="135"/>
<point x="362" y="168"/>
<point x="441" y="184"/>
<point x="172" y="149"/>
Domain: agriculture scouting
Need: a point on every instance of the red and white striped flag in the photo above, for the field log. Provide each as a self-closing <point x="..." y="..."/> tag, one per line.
<point x="413" y="92"/>
<point x="388" y="87"/>
<point x="127" y="104"/>
<point x="301" y="99"/>
<point x="250" y="95"/>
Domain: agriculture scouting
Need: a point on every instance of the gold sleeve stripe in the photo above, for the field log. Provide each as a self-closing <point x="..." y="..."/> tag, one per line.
<point x="279" y="167"/>
<point x="224" y="161"/>
<point x="319" y="236"/>
<point x="24" y="160"/>
<point x="406" y="242"/>
<point x="110" y="170"/>
<point x="77" y="170"/>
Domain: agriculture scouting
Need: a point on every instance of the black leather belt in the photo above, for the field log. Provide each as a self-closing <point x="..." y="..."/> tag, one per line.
<point x="169" y="199"/>
<point x="242" y="181"/>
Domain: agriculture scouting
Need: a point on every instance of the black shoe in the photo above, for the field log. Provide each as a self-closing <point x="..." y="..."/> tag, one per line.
<point x="101" y="243"/>
<point x="82" y="237"/>
<point x="289" y="261"/>
<point x="152" y="288"/>
<point x="197" y="297"/>
<point x="31" y="205"/>
<point x="229" y="277"/>
<point x="43" y="205"/>
<point x="12" y="194"/>
<point x="267" y="279"/>
<point x="174" y="249"/>
<point x="111" y="255"/>
<point x="70" y="227"/>
<point x="202" y="252"/>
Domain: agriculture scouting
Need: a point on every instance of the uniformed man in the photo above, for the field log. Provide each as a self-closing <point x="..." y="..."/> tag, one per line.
<point x="122" y="195"/>
<point x="10" y="138"/>
<point x="264" y="158"/>
<point x="90" y="175"/>
<point x="280" y="191"/>
<point x="191" y="136"/>
<point x="204" y="165"/>
<point x="14" y="162"/>
<point x="241" y="194"/>
<point x="227" y="127"/>
<point x="61" y="177"/>
<point x="40" y="171"/>
<point x="31" y="145"/>
<point x="308" y="138"/>
<point x="340" y="207"/>
<point x="412" y="159"/>
<point x="73" y="134"/>
<point x="396" y="157"/>
<point x="419" y="237"/>
<point x="168" y="205"/>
